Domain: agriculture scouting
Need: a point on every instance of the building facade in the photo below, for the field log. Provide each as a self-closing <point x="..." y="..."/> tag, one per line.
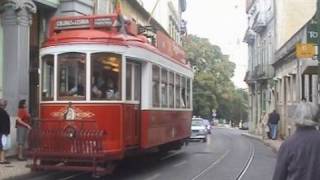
<point x="295" y="78"/>
<point x="277" y="79"/>
<point x="260" y="38"/>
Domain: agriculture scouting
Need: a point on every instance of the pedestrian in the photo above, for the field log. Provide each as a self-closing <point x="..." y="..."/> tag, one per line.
<point x="23" y="126"/>
<point x="273" y="120"/>
<point x="298" y="156"/>
<point x="4" y="129"/>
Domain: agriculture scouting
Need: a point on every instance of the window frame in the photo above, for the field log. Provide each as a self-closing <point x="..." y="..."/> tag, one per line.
<point x="58" y="97"/>
<point x="119" y="82"/>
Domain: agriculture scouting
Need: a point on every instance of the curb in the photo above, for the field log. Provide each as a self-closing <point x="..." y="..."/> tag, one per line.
<point x="274" y="148"/>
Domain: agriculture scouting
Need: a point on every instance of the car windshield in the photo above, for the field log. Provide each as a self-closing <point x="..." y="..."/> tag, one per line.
<point x="197" y="123"/>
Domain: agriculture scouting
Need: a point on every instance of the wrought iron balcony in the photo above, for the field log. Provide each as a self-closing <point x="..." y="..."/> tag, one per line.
<point x="262" y="71"/>
<point x="260" y="22"/>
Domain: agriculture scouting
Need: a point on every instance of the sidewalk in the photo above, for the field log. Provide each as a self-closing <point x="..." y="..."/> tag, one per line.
<point x="274" y="144"/>
<point x="14" y="169"/>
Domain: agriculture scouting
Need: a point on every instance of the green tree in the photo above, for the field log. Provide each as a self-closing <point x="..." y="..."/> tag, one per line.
<point x="212" y="85"/>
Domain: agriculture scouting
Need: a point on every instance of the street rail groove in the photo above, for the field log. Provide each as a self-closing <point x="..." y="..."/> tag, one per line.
<point x="248" y="163"/>
<point x="73" y="176"/>
<point x="170" y="156"/>
<point x="180" y="163"/>
<point x="153" y="177"/>
<point x="44" y="176"/>
<point x="211" y="165"/>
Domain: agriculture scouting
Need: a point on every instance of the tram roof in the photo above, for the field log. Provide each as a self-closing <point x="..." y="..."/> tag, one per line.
<point x="104" y="30"/>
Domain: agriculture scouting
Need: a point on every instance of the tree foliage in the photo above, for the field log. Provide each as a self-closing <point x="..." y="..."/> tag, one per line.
<point x="212" y="85"/>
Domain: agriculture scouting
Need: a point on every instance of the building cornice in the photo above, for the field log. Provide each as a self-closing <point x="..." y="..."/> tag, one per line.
<point x="17" y="12"/>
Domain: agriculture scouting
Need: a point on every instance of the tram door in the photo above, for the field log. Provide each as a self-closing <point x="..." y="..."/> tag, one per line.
<point x="133" y="97"/>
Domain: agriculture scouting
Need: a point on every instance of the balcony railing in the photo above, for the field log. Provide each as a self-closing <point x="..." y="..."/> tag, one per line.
<point x="260" y="22"/>
<point x="263" y="72"/>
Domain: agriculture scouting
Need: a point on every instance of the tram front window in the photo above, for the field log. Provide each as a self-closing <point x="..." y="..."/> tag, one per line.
<point x="71" y="76"/>
<point x="106" y="78"/>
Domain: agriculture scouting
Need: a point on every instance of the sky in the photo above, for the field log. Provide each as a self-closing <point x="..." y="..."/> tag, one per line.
<point x="224" y="23"/>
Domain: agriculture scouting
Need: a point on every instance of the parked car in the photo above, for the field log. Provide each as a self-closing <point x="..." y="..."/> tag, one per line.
<point x="244" y="126"/>
<point x="199" y="129"/>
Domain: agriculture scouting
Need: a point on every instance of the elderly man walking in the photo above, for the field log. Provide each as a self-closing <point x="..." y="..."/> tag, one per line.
<point x="4" y="128"/>
<point x="298" y="156"/>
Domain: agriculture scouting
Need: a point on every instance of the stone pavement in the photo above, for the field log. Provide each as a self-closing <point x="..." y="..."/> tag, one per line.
<point x="274" y="144"/>
<point x="14" y="169"/>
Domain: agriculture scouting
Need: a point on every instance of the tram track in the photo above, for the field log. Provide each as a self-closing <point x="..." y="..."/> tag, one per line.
<point x="242" y="171"/>
<point x="212" y="164"/>
<point x="248" y="162"/>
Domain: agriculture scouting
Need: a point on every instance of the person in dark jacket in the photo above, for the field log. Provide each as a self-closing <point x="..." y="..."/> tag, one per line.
<point x="298" y="156"/>
<point x="4" y="128"/>
<point x="273" y="120"/>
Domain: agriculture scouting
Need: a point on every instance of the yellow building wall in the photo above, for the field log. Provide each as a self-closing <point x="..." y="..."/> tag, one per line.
<point x="291" y="16"/>
<point x="131" y="12"/>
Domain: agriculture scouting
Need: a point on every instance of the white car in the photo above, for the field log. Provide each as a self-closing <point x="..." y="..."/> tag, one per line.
<point x="199" y="129"/>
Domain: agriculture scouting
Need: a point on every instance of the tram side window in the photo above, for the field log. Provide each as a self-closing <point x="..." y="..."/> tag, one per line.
<point x="71" y="76"/>
<point x="183" y="92"/>
<point x="129" y="82"/>
<point x="137" y="82"/>
<point x="178" y="99"/>
<point x="164" y="88"/>
<point x="106" y="76"/>
<point x="155" y="86"/>
<point x="47" y="77"/>
<point x="188" y="92"/>
<point x="171" y="90"/>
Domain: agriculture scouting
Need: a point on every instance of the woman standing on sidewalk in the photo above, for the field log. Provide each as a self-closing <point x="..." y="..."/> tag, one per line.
<point x="4" y="129"/>
<point x="298" y="156"/>
<point x="22" y="125"/>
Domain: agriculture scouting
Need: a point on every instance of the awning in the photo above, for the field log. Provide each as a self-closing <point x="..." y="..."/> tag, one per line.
<point x="311" y="70"/>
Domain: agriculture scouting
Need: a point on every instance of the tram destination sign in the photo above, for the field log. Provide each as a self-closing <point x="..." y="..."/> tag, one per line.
<point x="103" y="22"/>
<point x="72" y="24"/>
<point x="98" y="22"/>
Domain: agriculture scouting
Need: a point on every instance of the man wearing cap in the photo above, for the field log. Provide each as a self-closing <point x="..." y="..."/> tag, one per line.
<point x="4" y="128"/>
<point x="298" y="156"/>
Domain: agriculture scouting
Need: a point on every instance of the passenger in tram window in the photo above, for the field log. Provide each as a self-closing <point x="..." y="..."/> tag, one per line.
<point x="183" y="98"/>
<point x="78" y="88"/>
<point x="98" y="86"/>
<point x="111" y="92"/>
<point x="104" y="89"/>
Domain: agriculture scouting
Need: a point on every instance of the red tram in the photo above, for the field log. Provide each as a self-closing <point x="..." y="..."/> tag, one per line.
<point x="106" y="92"/>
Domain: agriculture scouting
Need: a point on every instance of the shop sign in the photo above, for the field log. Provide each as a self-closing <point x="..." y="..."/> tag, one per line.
<point x="312" y="31"/>
<point x="305" y="50"/>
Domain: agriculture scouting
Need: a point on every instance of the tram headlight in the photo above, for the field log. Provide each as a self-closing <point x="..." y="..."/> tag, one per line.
<point x="70" y="132"/>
